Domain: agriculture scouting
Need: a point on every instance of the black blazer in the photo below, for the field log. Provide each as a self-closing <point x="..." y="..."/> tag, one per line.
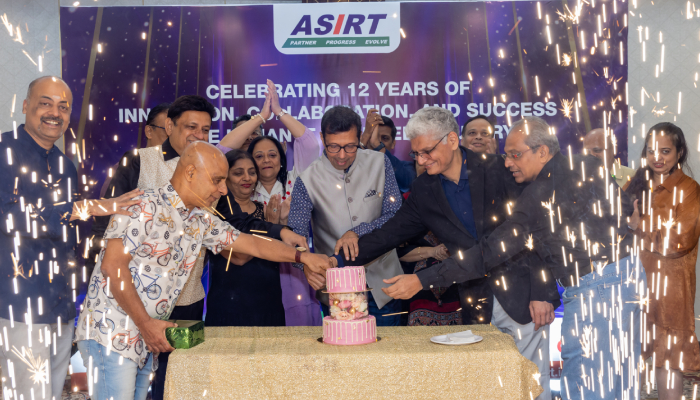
<point x="492" y="187"/>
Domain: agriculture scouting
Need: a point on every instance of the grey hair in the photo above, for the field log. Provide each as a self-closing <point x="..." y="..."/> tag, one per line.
<point x="35" y="81"/>
<point x="434" y="121"/>
<point x="537" y="133"/>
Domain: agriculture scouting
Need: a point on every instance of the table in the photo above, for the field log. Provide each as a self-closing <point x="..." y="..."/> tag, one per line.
<point x="289" y="363"/>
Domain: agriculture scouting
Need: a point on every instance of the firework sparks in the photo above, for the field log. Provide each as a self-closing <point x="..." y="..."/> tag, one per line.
<point x="29" y="57"/>
<point x="565" y="59"/>
<point x="530" y="243"/>
<point x="659" y="113"/>
<point x="548" y="206"/>
<point x="18" y="37"/>
<point x="38" y="369"/>
<point x="567" y="14"/>
<point x="18" y="269"/>
<point x="7" y="24"/>
<point x="82" y="212"/>
<point x="586" y="342"/>
<point x="566" y="107"/>
<point x="668" y="224"/>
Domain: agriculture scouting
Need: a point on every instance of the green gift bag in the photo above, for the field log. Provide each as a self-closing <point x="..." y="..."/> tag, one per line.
<point x="187" y="334"/>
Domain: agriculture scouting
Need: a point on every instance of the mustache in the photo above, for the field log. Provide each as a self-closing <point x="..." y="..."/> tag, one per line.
<point x="47" y="119"/>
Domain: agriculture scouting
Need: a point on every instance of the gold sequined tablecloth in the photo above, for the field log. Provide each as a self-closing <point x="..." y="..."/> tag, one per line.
<point x="289" y="363"/>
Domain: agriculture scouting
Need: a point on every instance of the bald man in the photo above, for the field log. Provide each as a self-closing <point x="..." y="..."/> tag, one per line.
<point x="600" y="145"/>
<point x="38" y="195"/>
<point x="145" y="264"/>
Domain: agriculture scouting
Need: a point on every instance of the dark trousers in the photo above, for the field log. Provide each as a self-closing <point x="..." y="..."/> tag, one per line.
<point x="193" y="312"/>
<point x="392" y="307"/>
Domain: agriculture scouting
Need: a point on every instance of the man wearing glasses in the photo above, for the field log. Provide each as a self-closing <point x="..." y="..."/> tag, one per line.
<point x="463" y="198"/>
<point x="345" y="194"/>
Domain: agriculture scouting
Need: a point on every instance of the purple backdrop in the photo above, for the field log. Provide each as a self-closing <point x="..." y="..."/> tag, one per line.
<point x="192" y="48"/>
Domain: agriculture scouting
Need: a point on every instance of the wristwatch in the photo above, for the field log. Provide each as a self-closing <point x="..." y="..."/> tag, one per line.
<point x="281" y="114"/>
<point x="381" y="146"/>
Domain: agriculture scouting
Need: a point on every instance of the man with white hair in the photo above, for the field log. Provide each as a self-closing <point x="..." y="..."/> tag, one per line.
<point x="577" y="227"/>
<point x="462" y="199"/>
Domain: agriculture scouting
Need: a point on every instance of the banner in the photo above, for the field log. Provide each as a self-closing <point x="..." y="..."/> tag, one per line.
<point x="501" y="59"/>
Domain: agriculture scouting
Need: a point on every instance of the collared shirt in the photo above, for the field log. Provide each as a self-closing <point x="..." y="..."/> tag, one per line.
<point x="125" y="179"/>
<point x="405" y="172"/>
<point x="164" y="239"/>
<point x="684" y="211"/>
<point x="37" y="191"/>
<point x="460" y="198"/>
<point x="302" y="206"/>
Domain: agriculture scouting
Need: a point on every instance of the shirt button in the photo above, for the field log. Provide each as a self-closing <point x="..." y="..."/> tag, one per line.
<point x="354" y="218"/>
<point x="349" y="199"/>
<point x="347" y="180"/>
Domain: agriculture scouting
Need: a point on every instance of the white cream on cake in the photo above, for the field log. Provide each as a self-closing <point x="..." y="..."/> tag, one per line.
<point x="356" y="331"/>
<point x="343" y="327"/>
<point x="346" y="280"/>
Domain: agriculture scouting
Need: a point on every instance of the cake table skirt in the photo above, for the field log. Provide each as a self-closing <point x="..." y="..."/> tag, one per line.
<point x="290" y="363"/>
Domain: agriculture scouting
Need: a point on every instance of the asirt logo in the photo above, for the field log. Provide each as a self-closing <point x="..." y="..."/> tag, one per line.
<point x="337" y="28"/>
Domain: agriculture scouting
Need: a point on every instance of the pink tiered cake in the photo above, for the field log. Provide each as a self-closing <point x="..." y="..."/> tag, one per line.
<point x="349" y="322"/>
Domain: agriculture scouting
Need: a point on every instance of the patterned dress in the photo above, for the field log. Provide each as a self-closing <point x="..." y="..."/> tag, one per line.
<point x="437" y="306"/>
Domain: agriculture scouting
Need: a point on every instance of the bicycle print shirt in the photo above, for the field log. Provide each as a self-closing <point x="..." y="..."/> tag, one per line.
<point x="164" y="239"/>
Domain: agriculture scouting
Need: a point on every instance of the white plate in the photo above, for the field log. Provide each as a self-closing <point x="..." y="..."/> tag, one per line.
<point x="457" y="339"/>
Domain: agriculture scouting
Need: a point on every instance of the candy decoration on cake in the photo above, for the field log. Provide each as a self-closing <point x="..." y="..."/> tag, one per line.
<point x="349" y="322"/>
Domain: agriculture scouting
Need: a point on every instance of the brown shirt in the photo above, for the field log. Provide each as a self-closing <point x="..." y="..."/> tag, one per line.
<point x="684" y="209"/>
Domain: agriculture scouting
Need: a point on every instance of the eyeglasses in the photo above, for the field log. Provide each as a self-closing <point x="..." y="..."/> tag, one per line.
<point x="517" y="156"/>
<point x="156" y="126"/>
<point x="426" y="154"/>
<point x="487" y="135"/>
<point x="335" y="148"/>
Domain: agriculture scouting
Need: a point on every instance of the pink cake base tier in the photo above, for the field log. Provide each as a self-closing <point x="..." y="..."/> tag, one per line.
<point x="352" y="332"/>
<point x="346" y="280"/>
